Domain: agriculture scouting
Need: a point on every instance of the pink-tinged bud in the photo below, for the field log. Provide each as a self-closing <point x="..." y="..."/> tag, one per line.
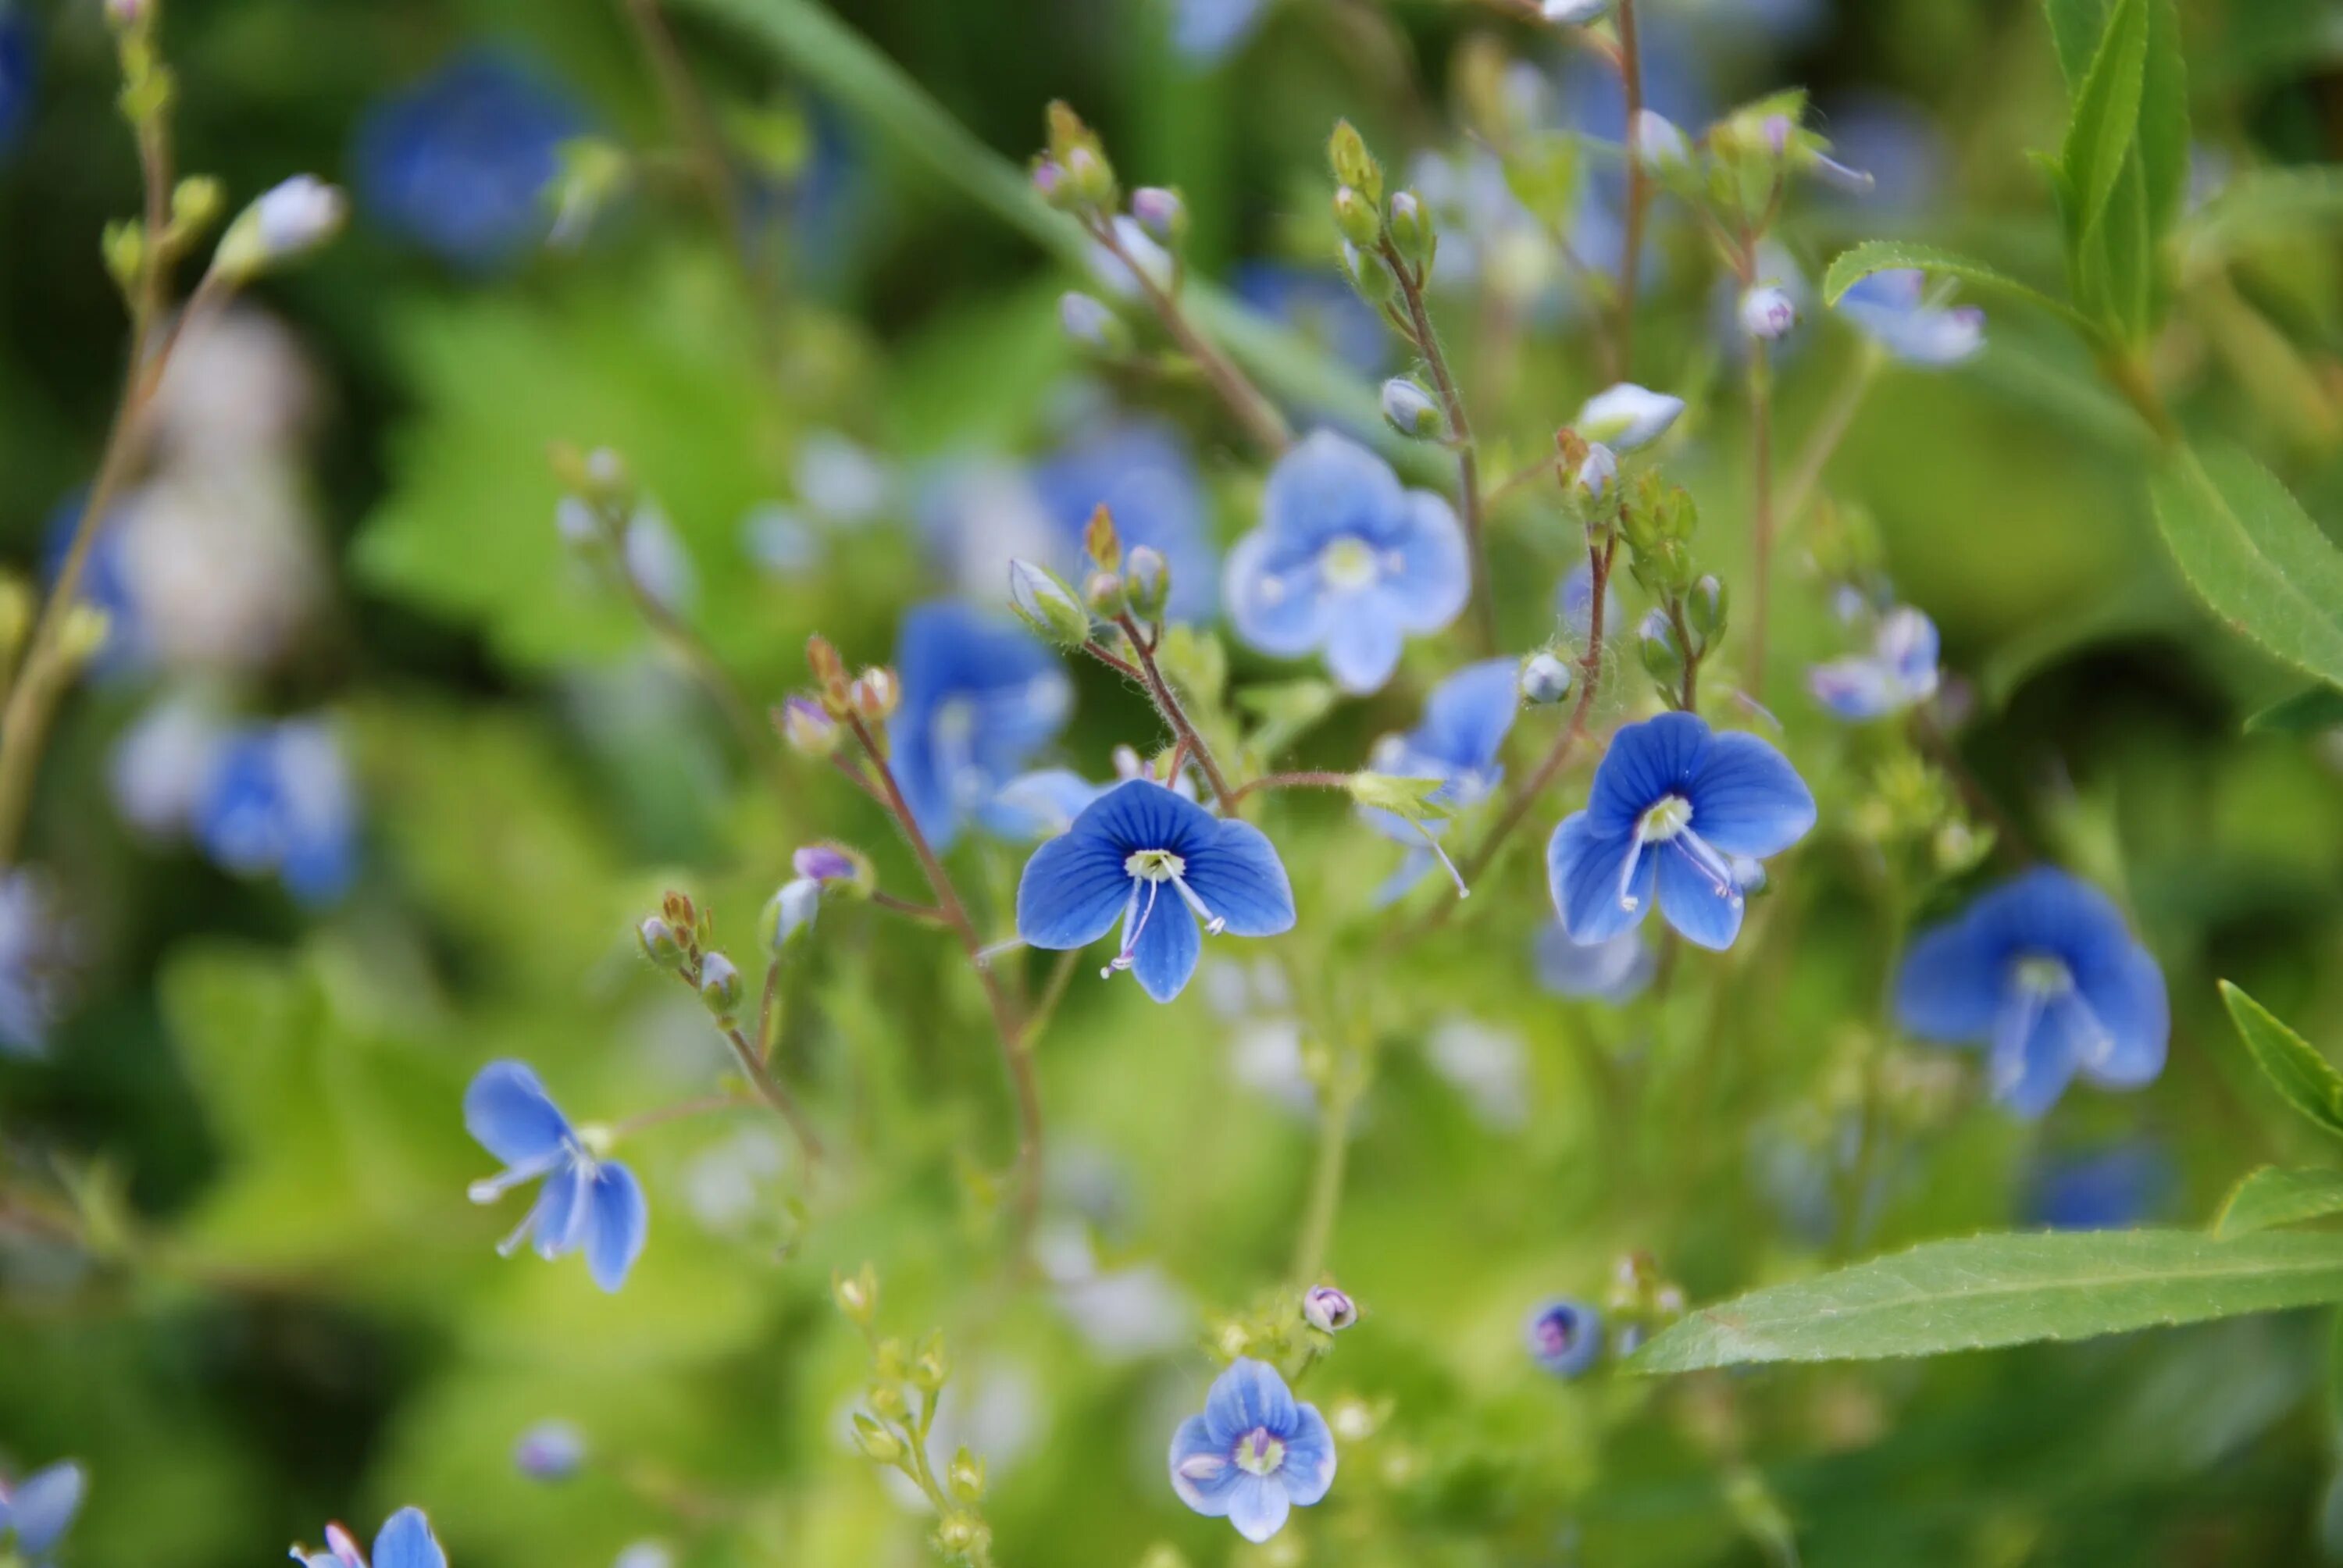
<point x="1161" y="212"/>
<point x="1328" y="1309"/>
<point x="1767" y="312"/>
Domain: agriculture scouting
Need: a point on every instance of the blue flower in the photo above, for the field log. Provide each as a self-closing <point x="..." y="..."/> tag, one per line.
<point x="1255" y="1454"/>
<point x="1345" y="560"/>
<point x="550" y="1450"/>
<point x="1672" y="807"/>
<point x="2042" y="972"/>
<point x="2106" y="1190"/>
<point x="1322" y="306"/>
<point x="1891" y="309"/>
<point x="19" y="60"/>
<point x="1208" y="31"/>
<point x="459" y="162"/>
<point x="38" y="951"/>
<point x="1899" y="672"/>
<point x="1465" y="721"/>
<point x="277" y="800"/>
<point x="406" y="1541"/>
<point x="980" y="696"/>
<point x="1615" y="972"/>
<point x="1141" y="472"/>
<point x="1565" y="1337"/>
<point x="1127" y="855"/>
<point x="588" y="1201"/>
<point x="40" y="1509"/>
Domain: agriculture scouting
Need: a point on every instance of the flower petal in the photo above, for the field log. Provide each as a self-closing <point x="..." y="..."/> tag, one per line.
<point x="1857" y="688"/>
<point x="1707" y="911"/>
<point x="406" y="1541"/>
<point x="1647" y="762"/>
<point x="44" y="1506"/>
<point x="2035" y="1052"/>
<point x="1309" y="1469"/>
<point x="1250" y="1395"/>
<point x="1952" y="982"/>
<point x="560" y="1214"/>
<point x="1615" y="971"/>
<point x="1258" y="1506"/>
<point x="619" y="1224"/>
<point x="1468" y="715"/>
<point x="1275" y="601"/>
<point x="1435" y="575"/>
<point x="1141" y="814"/>
<point x="1165" y="953"/>
<point x="509" y="1111"/>
<point x="1363" y="646"/>
<point x="1325" y="486"/>
<point x="1202" y="1472"/>
<point x="1241" y="880"/>
<point x="1747" y="799"/>
<point x="2127" y="996"/>
<point x="1071" y="890"/>
<point x="1583" y="870"/>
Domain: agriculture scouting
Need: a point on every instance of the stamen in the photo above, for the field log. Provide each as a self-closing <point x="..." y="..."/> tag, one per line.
<point x="1123" y="960"/>
<point x="984" y="956"/>
<point x="1714" y="864"/>
<point x="1214" y="924"/>
<point x="1130" y="908"/>
<point x="1628" y="867"/>
<point x="488" y="1189"/>
<point x="1432" y="843"/>
<point x="2009" y="1064"/>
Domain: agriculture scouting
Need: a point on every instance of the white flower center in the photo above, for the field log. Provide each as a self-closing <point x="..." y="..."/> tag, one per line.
<point x="1663" y="821"/>
<point x="1348" y="564"/>
<point x="1259" y="1454"/>
<point x="1154" y="865"/>
<point x="2042" y="974"/>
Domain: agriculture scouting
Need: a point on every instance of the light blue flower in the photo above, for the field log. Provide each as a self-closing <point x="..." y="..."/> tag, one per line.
<point x="406" y="1541"/>
<point x="459" y="162"/>
<point x="1142" y="473"/>
<point x="1891" y="309"/>
<point x="1137" y="854"/>
<point x="38" y="951"/>
<point x="277" y="800"/>
<point x="588" y="1201"/>
<point x="1208" y="31"/>
<point x="2044" y="973"/>
<point x="1255" y="1454"/>
<point x="38" y="1510"/>
<point x="1672" y="807"/>
<point x="550" y="1450"/>
<point x="1345" y="560"/>
<point x="1465" y="721"/>
<point x="980" y="696"/>
<point x="1565" y="1337"/>
<point x="1321" y="304"/>
<point x="1899" y="672"/>
<point x="1615" y="971"/>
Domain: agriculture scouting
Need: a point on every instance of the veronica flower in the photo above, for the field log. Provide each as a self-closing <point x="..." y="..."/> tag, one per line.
<point x="550" y="1450"/>
<point x="1672" y="807"/>
<point x="1614" y="970"/>
<point x="1899" y="672"/>
<point x="1891" y="309"/>
<point x="980" y="696"/>
<point x="1626" y="418"/>
<point x="406" y="1541"/>
<point x="38" y="1510"/>
<point x="1166" y="868"/>
<point x="2044" y="973"/>
<point x="1255" y="1454"/>
<point x="38" y="951"/>
<point x="1346" y="561"/>
<point x="19" y="57"/>
<point x="1565" y="1337"/>
<point x="588" y="1201"/>
<point x="277" y="800"/>
<point x="1142" y="473"/>
<point x="1465" y="721"/>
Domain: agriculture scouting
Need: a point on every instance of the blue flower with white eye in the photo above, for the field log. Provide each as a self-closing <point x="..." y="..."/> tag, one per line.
<point x="1565" y="1337"/>
<point x="1614" y="971"/>
<point x="2044" y="973"/>
<point x="1674" y="807"/>
<point x="1892" y="309"/>
<point x="19" y="61"/>
<point x="980" y="696"/>
<point x="1208" y="31"/>
<point x="1141" y="472"/>
<point x="1255" y="1454"/>
<point x="1139" y="853"/>
<point x="404" y="1542"/>
<point x="1322" y="307"/>
<point x="1346" y="561"/>
<point x="1899" y="672"/>
<point x="459" y="163"/>
<point x="277" y="800"/>
<point x="1465" y="721"/>
<point x="38" y="1510"/>
<point x="587" y="1201"/>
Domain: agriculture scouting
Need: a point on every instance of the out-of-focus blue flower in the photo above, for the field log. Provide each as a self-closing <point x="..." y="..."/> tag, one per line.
<point x="2044" y="973"/>
<point x="1346" y="561"/>
<point x="1127" y="856"/>
<point x="1322" y="307"/>
<point x="1208" y="31"/>
<point x="1899" y="671"/>
<point x="1255" y="1454"/>
<point x="38" y="1510"/>
<point x="279" y="802"/>
<point x="404" y="1542"/>
<point x="588" y="1201"/>
<point x="1565" y="1337"/>
<point x="458" y="163"/>
<point x="1575" y="602"/>
<point x="19" y="62"/>
<point x="646" y="1554"/>
<point x="38" y="949"/>
<point x="1142" y="473"/>
<point x="1626" y="418"/>
<point x="1900" y="144"/>
<point x="1672" y="807"/>
<point x="980" y="696"/>
<point x="1891" y="309"/>
<point x="1615" y="972"/>
<point x="2107" y="1188"/>
<point x="550" y="1450"/>
<point x="1465" y="721"/>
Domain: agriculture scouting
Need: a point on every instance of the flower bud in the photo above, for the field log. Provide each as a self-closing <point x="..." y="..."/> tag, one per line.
<point x="1565" y="1337"/>
<point x="1355" y="217"/>
<point x="1328" y="1309"/>
<point x="1546" y="678"/>
<point x="1089" y="323"/>
<point x="1049" y="180"/>
<point x="886" y="1398"/>
<point x="1346" y="151"/>
<point x="1368" y="275"/>
<point x="1704" y="611"/>
<point x="660" y="944"/>
<point x="282" y="225"/>
<point x="1767" y="312"/>
<point x="932" y="1370"/>
<point x="1626" y="416"/>
<point x="1658" y="143"/>
<point x="1411" y="411"/>
<point x="1655" y="644"/>
<point x="790" y="912"/>
<point x="550" y="1450"/>
<point x="1102" y="591"/>
<point x="964" y="1476"/>
<point x="1574" y="12"/>
<point x="1597" y="471"/>
<point x="124" y="247"/>
<point x="1412" y="234"/>
<point x="1045" y="601"/>
<point x="719" y="985"/>
<point x="826" y="863"/>
<point x="1091" y="177"/>
<point x="1100" y="542"/>
<point x="877" y="1442"/>
<point x="828" y="676"/>
<point x="810" y="731"/>
<point x="195" y="204"/>
<point x="577" y="523"/>
<point x="857" y="1294"/>
<point x="875" y="694"/>
<point x="959" y="1535"/>
<point x="1161" y="212"/>
<point x="1147" y="581"/>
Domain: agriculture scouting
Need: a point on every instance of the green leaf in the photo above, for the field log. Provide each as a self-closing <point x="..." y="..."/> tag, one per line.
<point x="2164" y="118"/>
<point x="2005" y="1289"/>
<point x="2264" y="204"/>
<point x="2270" y="1197"/>
<point x="2254" y="556"/>
<point x="2104" y="123"/>
<point x="2310" y="712"/>
<point x="1886" y="255"/>
<point x="1285" y="711"/>
<point x="2075" y="29"/>
<point x="2292" y="1064"/>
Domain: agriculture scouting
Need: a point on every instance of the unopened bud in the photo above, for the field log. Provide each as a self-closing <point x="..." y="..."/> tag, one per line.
<point x="1100" y="542"/>
<point x="1410" y="410"/>
<point x="550" y="1450"/>
<point x="1089" y="323"/>
<point x="1104" y="592"/>
<point x="1767" y="312"/>
<point x="1346" y="151"/>
<point x="660" y="944"/>
<point x="1655" y="644"/>
<point x="877" y="1442"/>
<point x="1704" y="611"/>
<point x="1045" y="601"/>
<point x="828" y="676"/>
<point x="857" y="1294"/>
<point x="875" y="694"/>
<point x="1161" y="212"/>
<point x="932" y="1370"/>
<point x="1092" y="176"/>
<point x="1627" y="416"/>
<point x="1412" y="232"/>
<point x="1658" y="143"/>
<point x="1368" y="274"/>
<point x="719" y="985"/>
<point x="1147" y="581"/>
<point x="1355" y="218"/>
<point x="284" y="224"/>
<point x="959" y="1535"/>
<point x="811" y="731"/>
<point x="1049" y="180"/>
<point x="1328" y="1309"/>
<point x="124" y="247"/>
<point x="195" y="204"/>
<point x="827" y="863"/>
<point x="1546" y="678"/>
<point x="790" y="912"/>
<point x="965" y="1476"/>
<point x="1574" y="12"/>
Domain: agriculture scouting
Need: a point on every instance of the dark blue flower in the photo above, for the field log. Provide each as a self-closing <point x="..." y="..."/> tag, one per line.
<point x="1346" y="561"/>
<point x="406" y="1541"/>
<point x="2106" y="1188"/>
<point x="1141" y="472"/>
<point x="459" y="162"/>
<point x="1615" y="972"/>
<point x="1320" y="303"/>
<point x="2042" y="972"/>
<point x="980" y="696"/>
<point x="277" y="800"/>
<point x="1892" y="309"/>
<point x="1138" y="854"/>
<point x="1565" y="1337"/>
<point x="1673" y="808"/>
<point x="1255" y="1454"/>
<point x="1898" y="672"/>
<point x="38" y="1510"/>
<point x="19" y="62"/>
<point x="588" y="1201"/>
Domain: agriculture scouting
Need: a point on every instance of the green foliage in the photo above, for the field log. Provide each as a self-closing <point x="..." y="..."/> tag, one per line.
<point x="2251" y="553"/>
<point x="2270" y="1197"/>
<point x="2309" y="1083"/>
<point x="1852" y="266"/>
<point x="2122" y="167"/>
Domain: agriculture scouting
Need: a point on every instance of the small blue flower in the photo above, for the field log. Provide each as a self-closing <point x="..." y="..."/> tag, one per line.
<point x="1891" y="309"/>
<point x="1345" y="560"/>
<point x="459" y="162"/>
<point x="39" y="950"/>
<point x="550" y="1450"/>
<point x="588" y="1201"/>
<point x="980" y="696"/>
<point x="19" y="62"/>
<point x="277" y="800"/>
<point x="2108" y="1189"/>
<point x="1465" y="721"/>
<point x="40" y="1509"/>
<point x="1142" y="473"/>
<point x="1208" y="31"/>
<point x="1615" y="971"/>
<point x="2043" y="972"/>
<point x="1898" y="673"/>
<point x="1321" y="304"/>
<point x="1674" y="805"/>
<point x="1127" y="855"/>
<point x="1255" y="1454"/>
<point x="1565" y="1337"/>
<point x="406" y="1541"/>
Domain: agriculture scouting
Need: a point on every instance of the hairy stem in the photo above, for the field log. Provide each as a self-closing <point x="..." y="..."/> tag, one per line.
<point x="1761" y="462"/>
<point x="772" y="1091"/>
<point x="1247" y="402"/>
<point x="1167" y="704"/>
<point x="1427" y="340"/>
<point x="1326" y="1174"/>
<point x="1295" y="781"/>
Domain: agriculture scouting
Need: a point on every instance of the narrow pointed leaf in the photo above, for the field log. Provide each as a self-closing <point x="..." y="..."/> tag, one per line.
<point x="2305" y="713"/>
<point x="2293" y="1065"/>
<point x="2270" y="1197"/>
<point x="2254" y="556"/>
<point x="2104" y="124"/>
<point x="1853" y="266"/>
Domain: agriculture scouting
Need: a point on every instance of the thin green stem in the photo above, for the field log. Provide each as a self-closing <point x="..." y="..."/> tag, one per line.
<point x="1639" y="185"/>
<point x="682" y="1111"/>
<point x="1326" y="1173"/>
<point x="1427" y="340"/>
<point x="1761" y="495"/>
<point x="1829" y="432"/>
<point x="772" y="1091"/>
<point x="1167" y="703"/>
<point x="1247" y="402"/>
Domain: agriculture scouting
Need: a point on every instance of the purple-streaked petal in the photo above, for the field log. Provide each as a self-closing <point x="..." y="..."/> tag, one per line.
<point x="1202" y="1472"/>
<point x="509" y="1111"/>
<point x="1646" y="763"/>
<point x="1141" y="814"/>
<point x="1241" y="880"/>
<point x="1433" y="575"/>
<point x="406" y="1541"/>
<point x="1707" y="911"/>
<point x="1309" y="1469"/>
<point x="43" y="1504"/>
<point x="1247" y="1396"/>
<point x="1747" y="799"/>
<point x="1258" y="1506"/>
<point x="1362" y="648"/>
<point x="617" y="1225"/>
<point x="1072" y="892"/>
<point x="1168" y="943"/>
<point x="1583" y="870"/>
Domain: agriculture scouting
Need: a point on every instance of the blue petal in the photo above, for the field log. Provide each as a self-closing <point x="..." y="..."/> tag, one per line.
<point x="1747" y="799"/>
<point x="1468" y="715"/>
<point x="561" y="1213"/>
<point x="1168" y="943"/>
<point x="1435" y="577"/>
<point x="1951" y="984"/>
<point x="2035" y="1052"/>
<point x="1275" y="599"/>
<point x="1041" y="804"/>
<point x="1583" y="870"/>
<point x="1910" y="646"/>
<point x="617" y="1226"/>
<point x="1003" y="692"/>
<point x="1646" y="763"/>
<point x="1856" y="689"/>
<point x="1309" y="1469"/>
<point x="1241" y="880"/>
<point x="1707" y="911"/>
<point x="1141" y="814"/>
<point x="45" y="1504"/>
<point x="1249" y="1396"/>
<point x="1327" y="485"/>
<point x="1615" y="971"/>
<point x="1212" y="1474"/>
<point x="1205" y="31"/>
<point x="1364" y="647"/>
<point x="1258" y="1506"/>
<point x="2127" y="996"/>
<point x="509" y="1111"/>
<point x="1142" y="473"/>
<point x="1071" y="890"/>
<point x="406" y="1541"/>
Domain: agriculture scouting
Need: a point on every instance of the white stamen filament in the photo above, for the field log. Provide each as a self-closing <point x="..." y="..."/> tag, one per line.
<point x="1131" y="933"/>
<point x="1712" y="864"/>
<point x="1214" y="924"/>
<point x="488" y="1189"/>
<point x="1628" y="867"/>
<point x="1455" y="875"/>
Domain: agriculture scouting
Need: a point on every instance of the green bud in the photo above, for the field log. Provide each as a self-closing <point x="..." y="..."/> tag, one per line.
<point x="887" y="1399"/>
<point x="1656" y="645"/>
<point x="1368" y="275"/>
<point x="1704" y="611"/>
<point x="1045" y="602"/>
<point x="1355" y="217"/>
<point x="124" y="250"/>
<point x="1412" y="232"/>
<point x="1409" y="409"/>
<point x="876" y="1440"/>
<point x="875" y="694"/>
<point x="857" y="1294"/>
<point x="660" y="944"/>
<point x="720" y="986"/>
<point x="284" y="224"/>
<point x="960" y="1534"/>
<point x="195" y="204"/>
<point x="933" y="1369"/>
<point x="1104" y="592"/>
<point x="789" y="913"/>
<point x="965" y="1476"/>
<point x="1147" y="582"/>
<point x="1346" y="150"/>
<point x="810" y="731"/>
<point x="1100" y="542"/>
